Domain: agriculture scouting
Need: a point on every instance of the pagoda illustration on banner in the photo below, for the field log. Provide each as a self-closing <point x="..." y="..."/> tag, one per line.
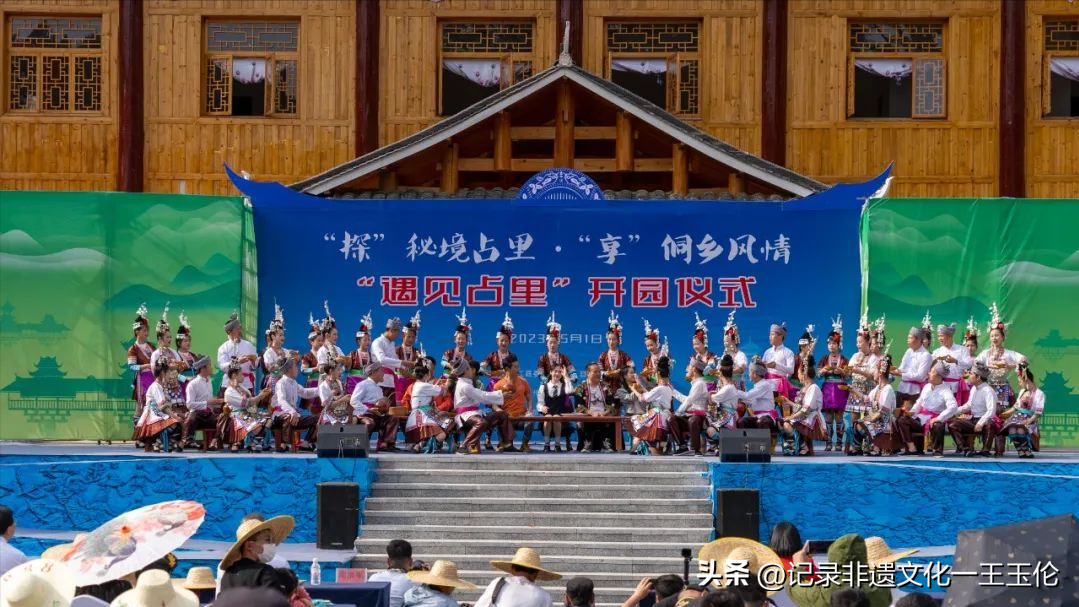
<point x="46" y="330"/>
<point x="48" y="397"/>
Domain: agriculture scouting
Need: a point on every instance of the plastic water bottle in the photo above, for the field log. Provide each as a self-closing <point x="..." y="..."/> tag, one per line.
<point x="316" y="572"/>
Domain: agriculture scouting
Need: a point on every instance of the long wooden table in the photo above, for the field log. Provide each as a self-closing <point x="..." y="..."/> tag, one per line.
<point x="579" y="418"/>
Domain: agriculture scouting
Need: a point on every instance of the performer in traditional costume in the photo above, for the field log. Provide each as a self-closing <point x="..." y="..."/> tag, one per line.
<point x="806" y="343"/>
<point x="873" y="432"/>
<point x="164" y="341"/>
<point x="384" y="350"/>
<point x="203" y="408"/>
<point x="1000" y="360"/>
<point x="553" y="400"/>
<point x="651" y="427"/>
<point x="183" y="350"/>
<point x="647" y="376"/>
<point x="238" y="349"/>
<point x="702" y="353"/>
<point x="834" y="370"/>
<point x="426" y="427"/>
<point x="330" y="352"/>
<point x="371" y="406"/>
<point x="467" y="399"/>
<point x="779" y="360"/>
<point x="958" y="359"/>
<point x="760" y="402"/>
<point x="409" y="355"/>
<point x="913" y="369"/>
<point x="927" y="331"/>
<point x="595" y="398"/>
<point x="723" y="414"/>
<point x="878" y="341"/>
<point x="309" y="364"/>
<point x="613" y="359"/>
<point x="275" y="355"/>
<point x="806" y="419"/>
<point x="138" y="360"/>
<point x="157" y="418"/>
<point x="691" y="417"/>
<point x="970" y="339"/>
<point x="978" y="416"/>
<point x="627" y="400"/>
<point x="359" y="358"/>
<point x="731" y="344"/>
<point x="286" y="417"/>
<point x="249" y="419"/>
<point x="1022" y="422"/>
<point x="553" y="358"/>
<point x="462" y="338"/>
<point x="336" y="409"/>
<point x="494" y="366"/>
<point x="931" y="412"/>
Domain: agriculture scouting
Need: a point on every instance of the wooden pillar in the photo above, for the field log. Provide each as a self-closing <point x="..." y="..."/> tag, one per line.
<point x="572" y="11"/>
<point x="679" y="169"/>
<point x="449" y="181"/>
<point x="1012" y="108"/>
<point x="130" y="162"/>
<point x="563" y="127"/>
<point x="735" y="184"/>
<point x="774" y="83"/>
<point x="387" y="181"/>
<point x="503" y="144"/>
<point x="623" y="142"/>
<point x="367" y="40"/>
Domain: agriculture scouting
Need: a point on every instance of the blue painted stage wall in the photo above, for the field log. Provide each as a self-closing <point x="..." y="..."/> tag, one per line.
<point x="908" y="502"/>
<point x="72" y="493"/>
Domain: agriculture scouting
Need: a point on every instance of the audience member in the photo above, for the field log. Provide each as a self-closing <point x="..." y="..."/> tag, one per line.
<point x="398" y="564"/>
<point x="580" y="592"/>
<point x="435" y="586"/>
<point x="644" y="587"/>
<point x="250" y="597"/>
<point x="293" y="589"/>
<point x="246" y="564"/>
<point x="917" y="599"/>
<point x="154" y="588"/>
<point x="725" y="597"/>
<point x="667" y="588"/>
<point x="850" y="597"/>
<point x="846" y="552"/>
<point x="519" y="589"/>
<point x="691" y="595"/>
<point x="752" y="593"/>
<point x="10" y="556"/>
<point x="278" y="561"/>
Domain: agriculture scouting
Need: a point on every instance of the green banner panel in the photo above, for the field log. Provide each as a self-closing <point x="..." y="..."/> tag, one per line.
<point x="955" y="257"/>
<point x="74" y="267"/>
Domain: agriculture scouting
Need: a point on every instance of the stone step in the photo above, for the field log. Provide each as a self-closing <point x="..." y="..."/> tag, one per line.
<point x="524" y="518"/>
<point x="422" y="547"/>
<point x="523" y="535"/>
<point x="588" y="565"/>
<point x="617" y="463"/>
<point x="570" y="491"/>
<point x="518" y="477"/>
<point x="511" y="502"/>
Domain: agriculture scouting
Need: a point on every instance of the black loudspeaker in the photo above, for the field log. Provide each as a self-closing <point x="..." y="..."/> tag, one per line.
<point x="738" y="513"/>
<point x="342" y="440"/>
<point x="338" y="515"/>
<point x="752" y="445"/>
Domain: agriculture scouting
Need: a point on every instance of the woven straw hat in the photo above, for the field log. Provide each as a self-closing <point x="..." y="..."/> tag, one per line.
<point x="198" y="578"/>
<point x="878" y="552"/>
<point x="755" y="554"/>
<point x="37" y="583"/>
<point x="529" y="558"/>
<point x="442" y="573"/>
<point x="59" y="551"/>
<point x="279" y="526"/>
<point x="155" y="589"/>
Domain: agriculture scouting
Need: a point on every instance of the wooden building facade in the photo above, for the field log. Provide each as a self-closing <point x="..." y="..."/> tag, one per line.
<point x="968" y="97"/>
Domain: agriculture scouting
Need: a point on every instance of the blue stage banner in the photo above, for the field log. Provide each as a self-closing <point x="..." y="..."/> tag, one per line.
<point x="664" y="261"/>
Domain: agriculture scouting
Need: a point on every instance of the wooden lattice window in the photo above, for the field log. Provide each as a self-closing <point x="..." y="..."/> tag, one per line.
<point x="1060" y="68"/>
<point x="657" y="60"/>
<point x="251" y="68"/>
<point x="896" y="70"/>
<point x="54" y="64"/>
<point x="478" y="59"/>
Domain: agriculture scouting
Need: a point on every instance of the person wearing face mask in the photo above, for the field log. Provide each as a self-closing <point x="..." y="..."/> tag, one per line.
<point x="251" y="561"/>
